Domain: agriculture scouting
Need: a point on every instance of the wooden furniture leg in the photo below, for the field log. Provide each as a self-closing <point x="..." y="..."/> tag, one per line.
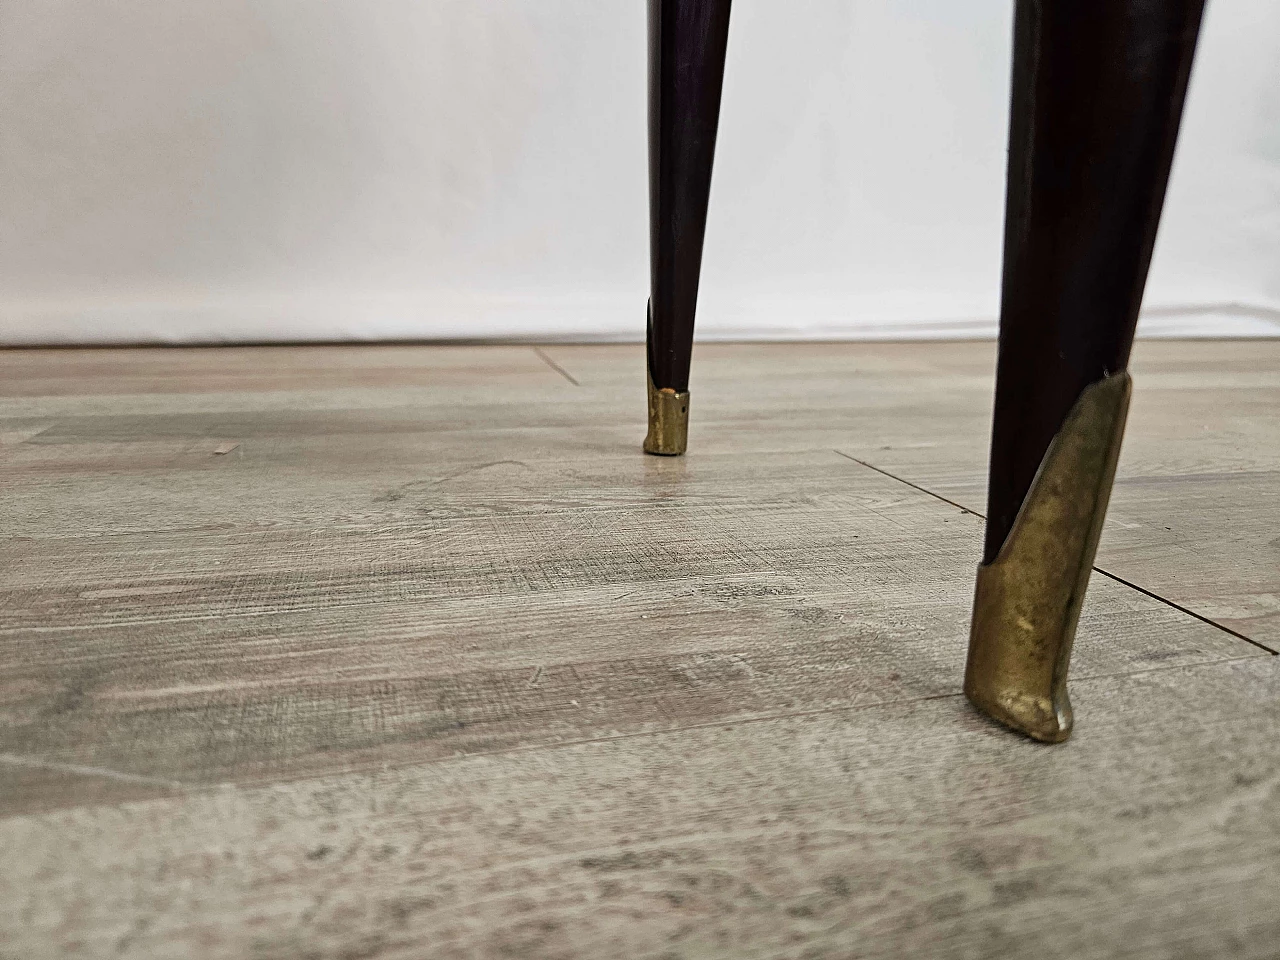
<point x="687" y="42"/>
<point x="1098" y="89"/>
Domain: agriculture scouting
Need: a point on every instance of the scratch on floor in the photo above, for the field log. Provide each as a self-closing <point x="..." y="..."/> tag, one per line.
<point x="483" y="466"/>
<point x="398" y="493"/>
<point x="556" y="367"/>
<point x="14" y="437"/>
<point x="36" y="764"/>
<point x="113" y="593"/>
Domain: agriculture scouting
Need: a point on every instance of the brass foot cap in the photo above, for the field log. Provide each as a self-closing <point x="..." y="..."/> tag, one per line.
<point x="668" y="422"/>
<point x="1028" y="599"/>
<point x="1037" y="717"/>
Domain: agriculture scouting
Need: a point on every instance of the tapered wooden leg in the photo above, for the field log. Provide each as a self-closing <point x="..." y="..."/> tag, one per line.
<point x="687" y="42"/>
<point x="1098" y="89"/>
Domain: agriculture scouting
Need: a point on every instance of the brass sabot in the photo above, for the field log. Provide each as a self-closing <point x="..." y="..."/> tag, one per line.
<point x="668" y="421"/>
<point x="1028" y="599"/>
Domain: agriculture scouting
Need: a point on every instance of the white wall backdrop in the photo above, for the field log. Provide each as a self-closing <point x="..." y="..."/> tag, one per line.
<point x="312" y="169"/>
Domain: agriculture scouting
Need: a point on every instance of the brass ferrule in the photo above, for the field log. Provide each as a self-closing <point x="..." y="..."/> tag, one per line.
<point x="668" y="421"/>
<point x="1028" y="599"/>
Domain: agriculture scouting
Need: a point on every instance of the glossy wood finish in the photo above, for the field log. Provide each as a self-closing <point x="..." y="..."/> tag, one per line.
<point x="1098" y="90"/>
<point x="687" y="43"/>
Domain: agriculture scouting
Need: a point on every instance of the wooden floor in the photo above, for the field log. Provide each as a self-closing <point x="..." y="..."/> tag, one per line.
<point x="407" y="652"/>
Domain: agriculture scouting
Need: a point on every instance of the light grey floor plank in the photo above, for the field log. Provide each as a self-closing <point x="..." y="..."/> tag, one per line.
<point x="647" y="593"/>
<point x="900" y="830"/>
<point x="348" y="651"/>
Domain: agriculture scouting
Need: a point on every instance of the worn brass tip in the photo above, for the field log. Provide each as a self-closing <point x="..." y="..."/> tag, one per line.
<point x="668" y="421"/>
<point x="1028" y="599"/>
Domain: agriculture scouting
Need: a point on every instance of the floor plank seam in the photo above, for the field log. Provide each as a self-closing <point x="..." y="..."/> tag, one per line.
<point x="1106" y="573"/>
<point x="1189" y="612"/>
<point x="913" y="486"/>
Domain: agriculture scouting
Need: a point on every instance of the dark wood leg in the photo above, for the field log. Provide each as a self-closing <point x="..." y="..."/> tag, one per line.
<point x="1098" y="89"/>
<point x="687" y="42"/>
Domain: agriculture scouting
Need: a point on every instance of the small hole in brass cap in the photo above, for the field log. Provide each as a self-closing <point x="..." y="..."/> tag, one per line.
<point x="668" y="421"/>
